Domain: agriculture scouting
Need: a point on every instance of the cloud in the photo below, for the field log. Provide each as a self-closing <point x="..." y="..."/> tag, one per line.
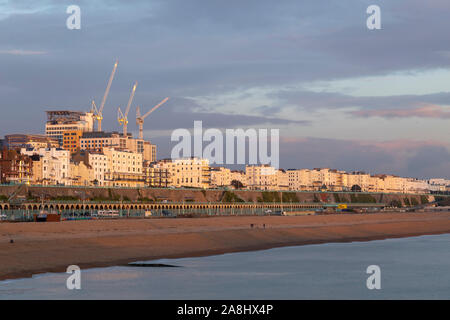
<point x="407" y="158"/>
<point x="18" y="52"/>
<point x="431" y="111"/>
<point x="421" y="159"/>
<point x="271" y="110"/>
<point x="428" y="107"/>
<point x="183" y="112"/>
<point x="430" y="161"/>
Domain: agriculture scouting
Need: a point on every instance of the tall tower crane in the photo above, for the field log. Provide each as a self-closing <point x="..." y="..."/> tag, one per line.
<point x="140" y="119"/>
<point x="123" y="117"/>
<point x="98" y="113"/>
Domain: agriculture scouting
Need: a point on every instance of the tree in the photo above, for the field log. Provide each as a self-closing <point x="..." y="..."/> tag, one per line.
<point x="237" y="184"/>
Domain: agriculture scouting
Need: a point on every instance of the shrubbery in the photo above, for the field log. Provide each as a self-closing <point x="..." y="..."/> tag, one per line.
<point x="289" y="197"/>
<point x="396" y="203"/>
<point x="337" y="199"/>
<point x="423" y="199"/>
<point x="362" y="198"/>
<point x="270" y="197"/>
<point x="229" y="196"/>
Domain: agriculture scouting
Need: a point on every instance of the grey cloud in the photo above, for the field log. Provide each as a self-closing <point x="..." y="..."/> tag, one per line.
<point x="430" y="161"/>
<point x="310" y="100"/>
<point x="420" y="161"/>
<point x="181" y="113"/>
<point x="268" y="109"/>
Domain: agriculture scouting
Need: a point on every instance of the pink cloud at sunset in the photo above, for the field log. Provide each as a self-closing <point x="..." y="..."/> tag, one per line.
<point x="428" y="111"/>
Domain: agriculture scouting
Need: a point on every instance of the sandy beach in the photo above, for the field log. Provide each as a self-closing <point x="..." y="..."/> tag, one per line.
<point x="52" y="246"/>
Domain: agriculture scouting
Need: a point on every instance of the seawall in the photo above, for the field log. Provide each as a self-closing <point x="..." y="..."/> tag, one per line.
<point x="212" y="195"/>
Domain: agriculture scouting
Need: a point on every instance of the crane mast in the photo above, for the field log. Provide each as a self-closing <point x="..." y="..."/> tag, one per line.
<point x="123" y="117"/>
<point x="99" y="112"/>
<point x="140" y="119"/>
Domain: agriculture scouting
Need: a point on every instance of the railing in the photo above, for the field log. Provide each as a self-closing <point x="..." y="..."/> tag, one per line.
<point x="209" y="204"/>
<point x="89" y="210"/>
<point x="28" y="215"/>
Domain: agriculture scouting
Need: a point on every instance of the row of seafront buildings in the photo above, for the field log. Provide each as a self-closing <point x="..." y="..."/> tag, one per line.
<point x="325" y="179"/>
<point x="72" y="153"/>
<point x="112" y="167"/>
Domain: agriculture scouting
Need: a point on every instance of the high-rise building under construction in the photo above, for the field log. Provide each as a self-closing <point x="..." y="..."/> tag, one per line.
<point x="59" y="122"/>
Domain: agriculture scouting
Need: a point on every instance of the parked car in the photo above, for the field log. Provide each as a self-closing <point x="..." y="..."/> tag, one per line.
<point x="278" y="213"/>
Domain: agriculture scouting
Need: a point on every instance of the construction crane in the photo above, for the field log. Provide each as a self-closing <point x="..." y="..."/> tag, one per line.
<point x="98" y="113"/>
<point x="94" y="108"/>
<point x="140" y="119"/>
<point x="123" y="117"/>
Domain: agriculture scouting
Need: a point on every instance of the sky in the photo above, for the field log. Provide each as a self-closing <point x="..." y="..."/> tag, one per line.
<point x="342" y="96"/>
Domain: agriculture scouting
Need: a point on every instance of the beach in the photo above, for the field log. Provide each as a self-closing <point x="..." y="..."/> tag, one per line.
<point x="52" y="246"/>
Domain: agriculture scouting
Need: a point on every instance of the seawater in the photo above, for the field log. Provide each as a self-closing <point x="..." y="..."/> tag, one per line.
<point x="411" y="268"/>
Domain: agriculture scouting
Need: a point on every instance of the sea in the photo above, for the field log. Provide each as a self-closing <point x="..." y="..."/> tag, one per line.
<point x="406" y="268"/>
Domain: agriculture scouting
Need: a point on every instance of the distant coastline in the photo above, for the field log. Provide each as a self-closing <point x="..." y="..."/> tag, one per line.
<point x="51" y="247"/>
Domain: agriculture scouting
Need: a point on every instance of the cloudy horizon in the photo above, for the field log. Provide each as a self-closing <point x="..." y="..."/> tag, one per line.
<point x="343" y="96"/>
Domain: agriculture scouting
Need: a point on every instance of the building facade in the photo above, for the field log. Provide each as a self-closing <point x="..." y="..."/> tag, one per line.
<point x="15" y="167"/>
<point x="71" y="140"/>
<point x="187" y="172"/>
<point x="157" y="175"/>
<point x="96" y="141"/>
<point x="124" y="168"/>
<point x="261" y="177"/>
<point x="33" y="141"/>
<point x="59" y="122"/>
<point x="220" y="177"/>
<point x="99" y="164"/>
<point x="55" y="165"/>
